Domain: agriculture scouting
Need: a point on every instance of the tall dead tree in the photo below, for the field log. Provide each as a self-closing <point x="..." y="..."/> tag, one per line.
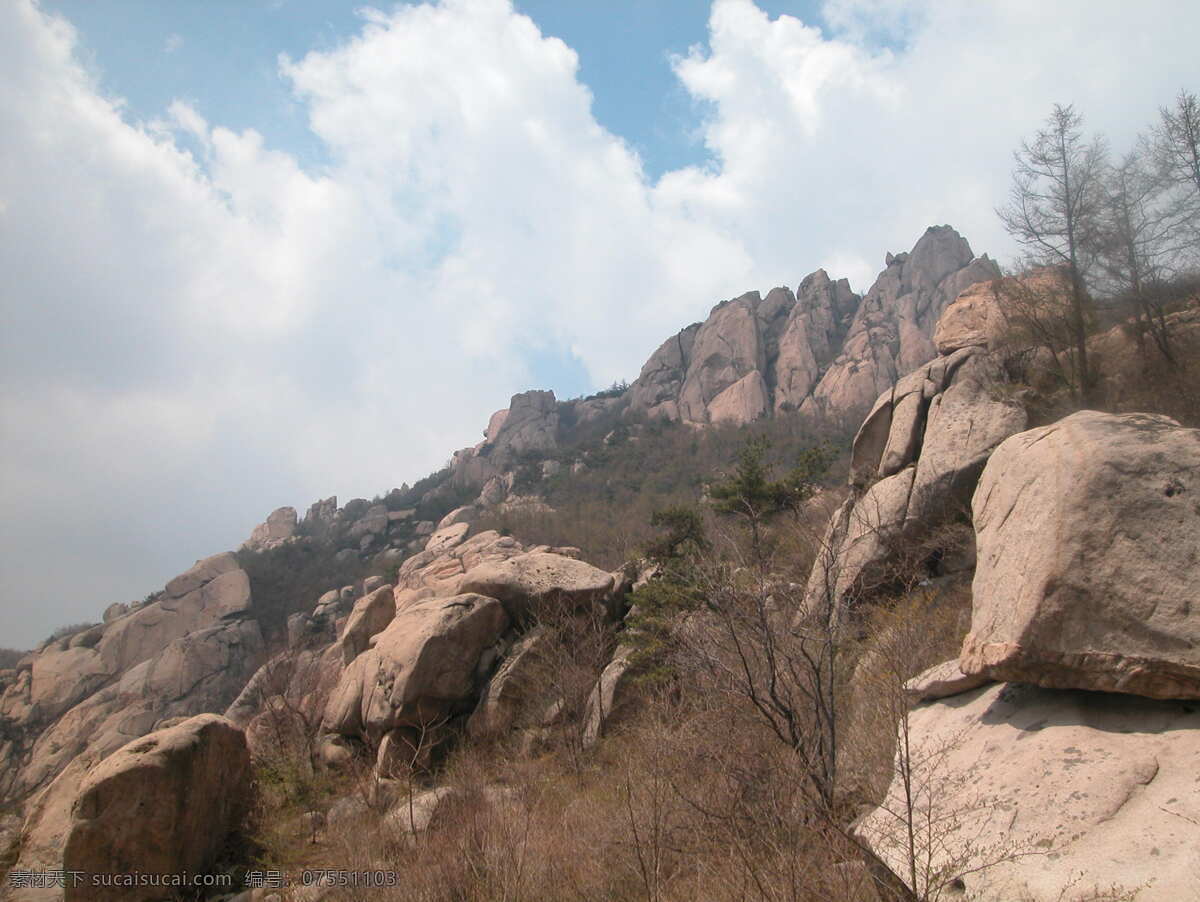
<point x="1055" y="212"/>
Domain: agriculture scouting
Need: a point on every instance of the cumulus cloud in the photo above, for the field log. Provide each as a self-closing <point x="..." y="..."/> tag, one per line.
<point x="199" y="328"/>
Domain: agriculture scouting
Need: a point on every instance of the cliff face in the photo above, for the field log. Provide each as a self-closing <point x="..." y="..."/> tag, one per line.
<point x="823" y="350"/>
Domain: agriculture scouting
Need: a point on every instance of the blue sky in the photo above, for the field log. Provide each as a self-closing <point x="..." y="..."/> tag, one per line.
<point x="236" y="280"/>
<point x="222" y="55"/>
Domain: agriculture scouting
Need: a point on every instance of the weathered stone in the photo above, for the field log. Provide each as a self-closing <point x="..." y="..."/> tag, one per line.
<point x="873" y="536"/>
<point x="509" y="689"/>
<point x="962" y="427"/>
<point x="531" y="579"/>
<point x="466" y="514"/>
<point x="495" y="424"/>
<point x="213" y="589"/>
<point x="371" y="614"/>
<point x="611" y="697"/>
<point x="942" y="681"/>
<point x="115" y="610"/>
<point x="1089" y="557"/>
<point x="63" y="678"/>
<point x="279" y="527"/>
<point x="531" y="425"/>
<point x="726" y="349"/>
<point x="373" y="523"/>
<point x="656" y="390"/>
<point x="975" y="319"/>
<point x="163" y="804"/>
<point x="1028" y="793"/>
<point x="890" y="332"/>
<point x="447" y="537"/>
<point x="416" y="815"/>
<point x="422" y="667"/>
<point x="202" y="572"/>
<point x="743" y="402"/>
<point x="811" y="338"/>
<point x="206" y="668"/>
<point x="492" y="493"/>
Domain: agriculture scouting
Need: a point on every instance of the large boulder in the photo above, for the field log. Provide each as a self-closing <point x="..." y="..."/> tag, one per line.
<point x="466" y="514"/>
<point x="426" y="665"/>
<point x="63" y="677"/>
<point x="1088" y="541"/>
<point x="163" y="804"/>
<point x="374" y="522"/>
<point x="1020" y="792"/>
<point x="447" y="537"/>
<point x="202" y="671"/>
<point x="531" y="424"/>
<point x="530" y="579"/>
<point x="45" y="829"/>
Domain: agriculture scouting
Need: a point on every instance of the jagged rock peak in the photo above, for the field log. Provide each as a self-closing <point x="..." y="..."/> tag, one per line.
<point x="823" y="350"/>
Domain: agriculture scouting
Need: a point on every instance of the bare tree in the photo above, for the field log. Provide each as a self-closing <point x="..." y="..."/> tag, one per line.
<point x="1140" y="243"/>
<point x="1055" y="212"/>
<point x="1176" y="143"/>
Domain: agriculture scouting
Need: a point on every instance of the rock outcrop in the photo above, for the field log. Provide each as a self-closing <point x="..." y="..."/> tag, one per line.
<point x="428" y="663"/>
<point x="1084" y="587"/>
<point x="1088" y="536"/>
<point x="278" y="528"/>
<point x="823" y="350"/>
<point x="214" y="588"/>
<point x="187" y="652"/>
<point x="611" y="697"/>
<point x="511" y="689"/>
<point x="530" y="425"/>
<point x="943" y="681"/>
<point x="914" y="464"/>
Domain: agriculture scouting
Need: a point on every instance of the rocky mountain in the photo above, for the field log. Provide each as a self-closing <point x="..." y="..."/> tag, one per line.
<point x="361" y="643"/>
<point x="822" y="351"/>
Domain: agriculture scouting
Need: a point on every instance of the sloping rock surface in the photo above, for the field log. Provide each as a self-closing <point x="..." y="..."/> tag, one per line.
<point x="1060" y="792"/>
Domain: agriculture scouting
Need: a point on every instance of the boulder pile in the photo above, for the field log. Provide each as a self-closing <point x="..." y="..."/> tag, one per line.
<point x="1061" y="749"/>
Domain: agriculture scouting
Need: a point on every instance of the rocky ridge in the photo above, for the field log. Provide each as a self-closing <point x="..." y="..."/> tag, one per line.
<point x="390" y="666"/>
<point x="823" y="351"/>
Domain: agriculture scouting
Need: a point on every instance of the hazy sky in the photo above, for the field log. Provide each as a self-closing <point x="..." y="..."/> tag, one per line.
<point x="257" y="253"/>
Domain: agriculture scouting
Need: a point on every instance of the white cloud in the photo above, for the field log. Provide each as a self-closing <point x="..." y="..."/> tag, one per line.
<point x="172" y="43"/>
<point x="199" y="329"/>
